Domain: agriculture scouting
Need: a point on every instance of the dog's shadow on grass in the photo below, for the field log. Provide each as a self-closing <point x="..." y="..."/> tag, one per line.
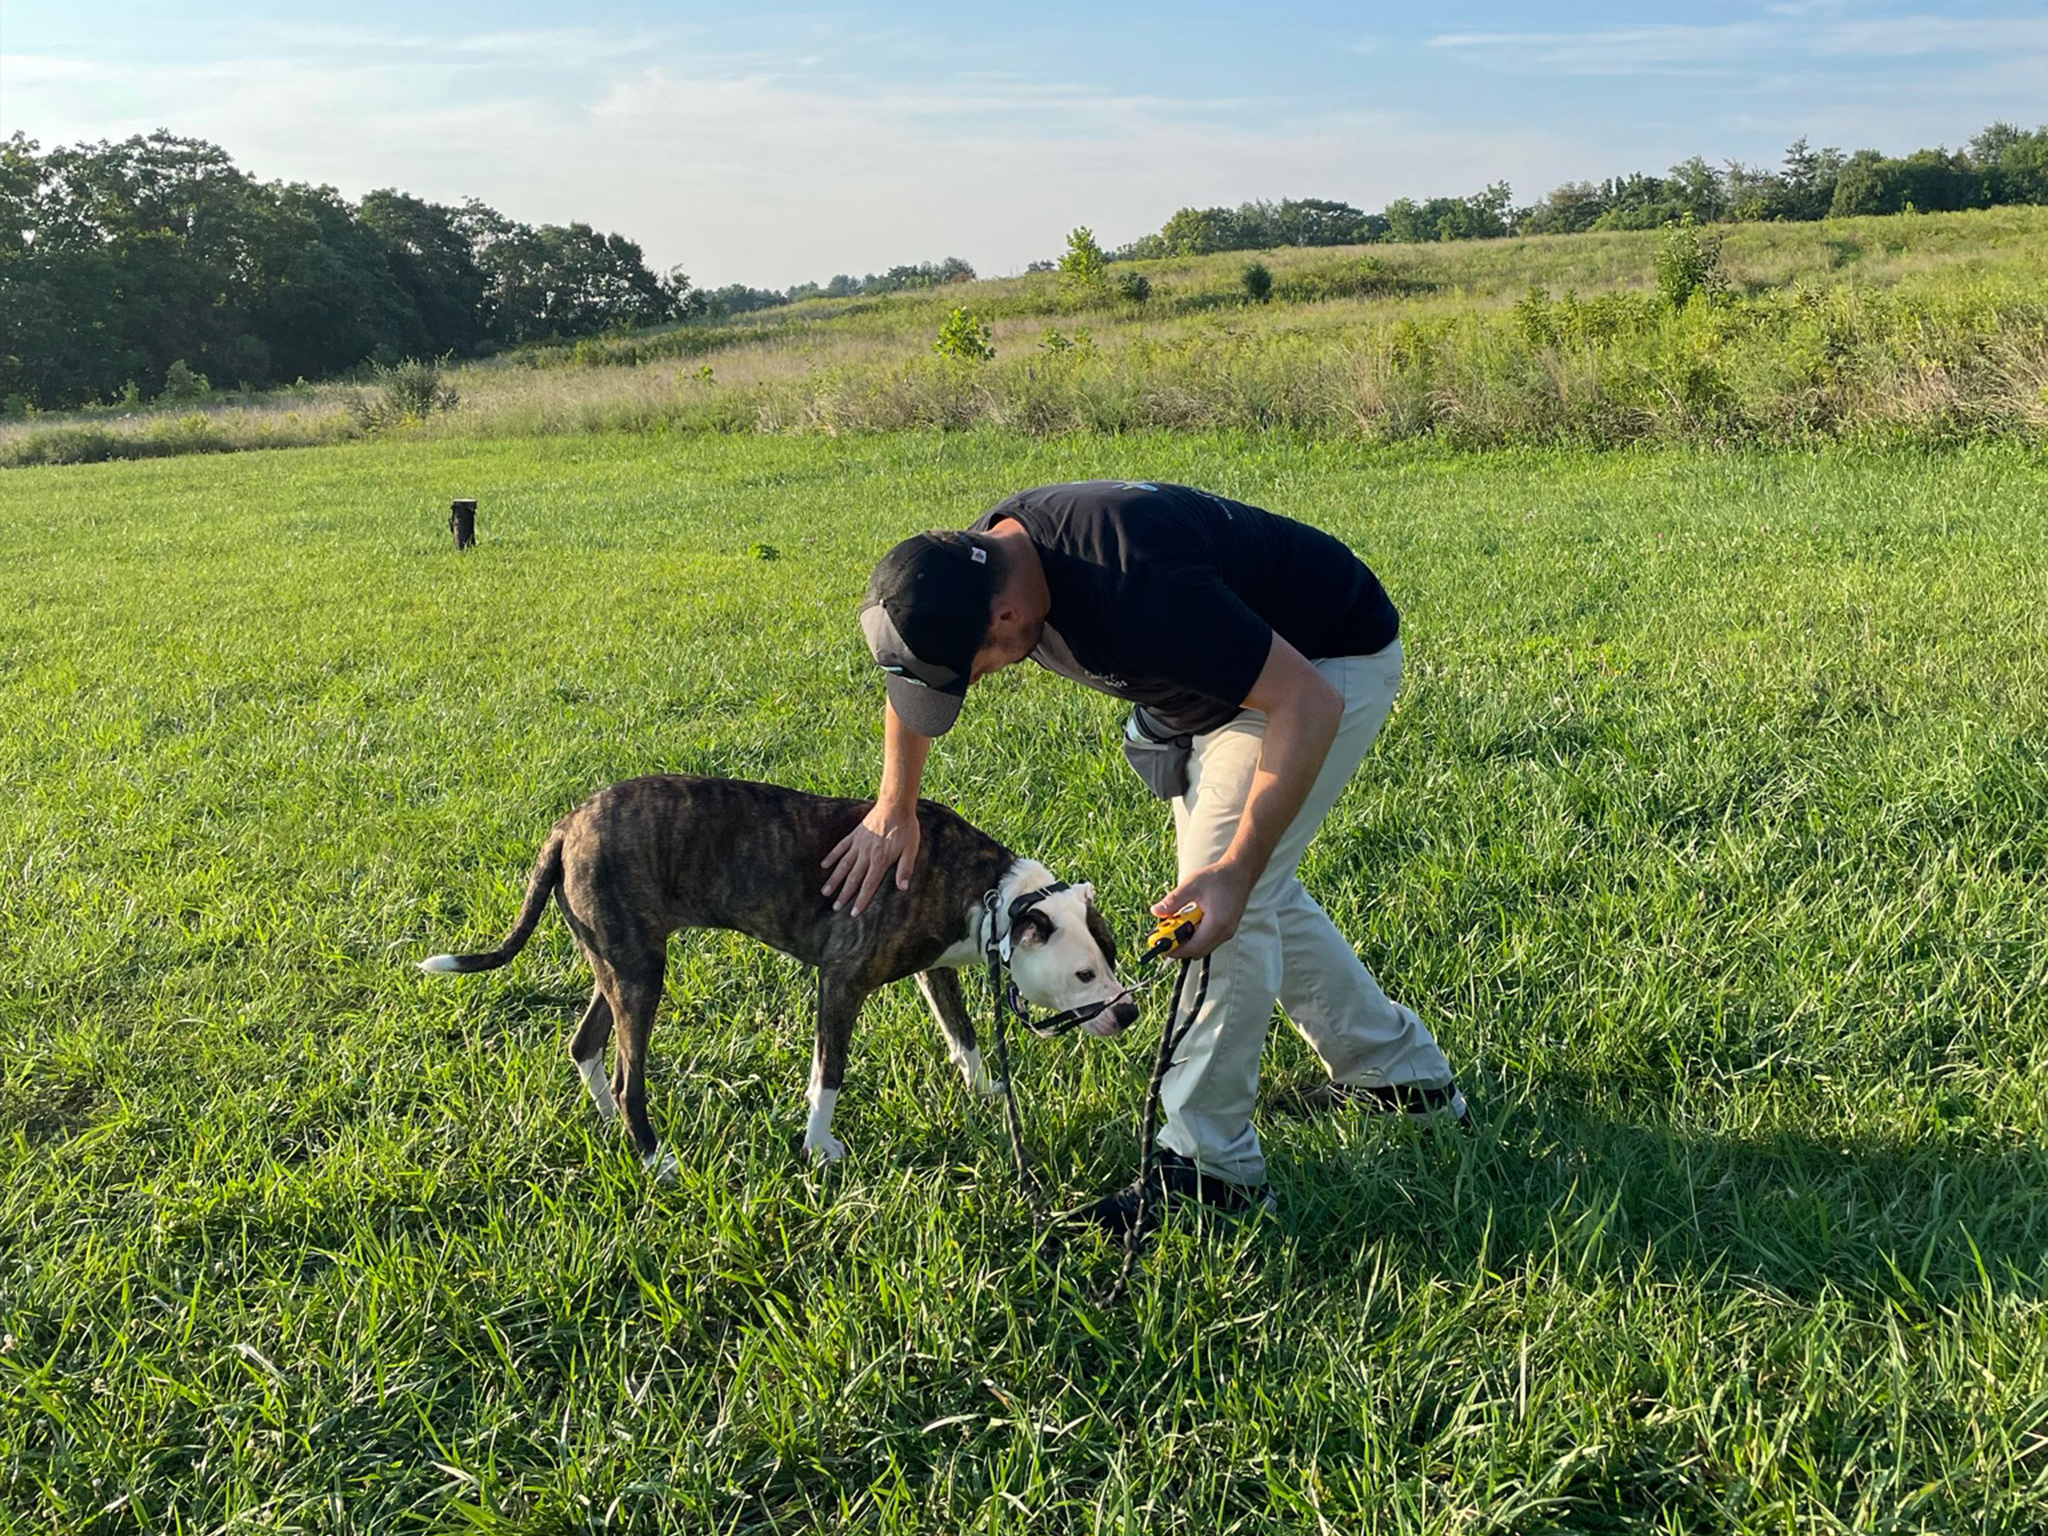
<point x="1546" y="1185"/>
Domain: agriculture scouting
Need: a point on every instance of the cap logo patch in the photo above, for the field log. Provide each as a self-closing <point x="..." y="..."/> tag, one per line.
<point x="979" y="556"/>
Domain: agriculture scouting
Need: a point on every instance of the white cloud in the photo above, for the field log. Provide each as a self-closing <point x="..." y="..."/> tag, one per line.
<point x="1914" y="36"/>
<point x="1664" y="49"/>
<point x="1660" y="49"/>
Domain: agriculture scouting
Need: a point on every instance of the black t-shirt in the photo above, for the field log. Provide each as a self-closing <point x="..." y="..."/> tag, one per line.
<point x="1170" y="597"/>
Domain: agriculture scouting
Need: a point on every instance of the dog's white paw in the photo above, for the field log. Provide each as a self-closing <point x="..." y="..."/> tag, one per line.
<point x="825" y="1149"/>
<point x="977" y="1074"/>
<point x="661" y="1166"/>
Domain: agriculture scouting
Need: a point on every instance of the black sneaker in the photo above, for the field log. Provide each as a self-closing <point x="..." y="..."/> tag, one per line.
<point x="1176" y="1183"/>
<point x="1406" y="1099"/>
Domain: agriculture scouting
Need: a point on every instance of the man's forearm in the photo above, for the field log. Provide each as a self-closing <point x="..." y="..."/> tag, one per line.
<point x="903" y="758"/>
<point x="1297" y="741"/>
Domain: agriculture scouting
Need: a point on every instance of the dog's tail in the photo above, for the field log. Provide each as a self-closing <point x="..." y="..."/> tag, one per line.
<point x="547" y="874"/>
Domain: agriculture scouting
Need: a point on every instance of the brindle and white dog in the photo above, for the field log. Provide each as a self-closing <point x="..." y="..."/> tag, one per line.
<point x="646" y="857"/>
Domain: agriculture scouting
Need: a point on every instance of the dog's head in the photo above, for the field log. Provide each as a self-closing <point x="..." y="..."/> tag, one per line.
<point x="1062" y="956"/>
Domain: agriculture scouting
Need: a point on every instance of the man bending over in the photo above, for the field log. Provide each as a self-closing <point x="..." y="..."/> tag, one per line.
<point x="1262" y="657"/>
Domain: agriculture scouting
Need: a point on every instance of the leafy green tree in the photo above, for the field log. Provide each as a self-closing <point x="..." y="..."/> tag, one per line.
<point x="1199" y="232"/>
<point x="965" y="336"/>
<point x="568" y="280"/>
<point x="182" y="383"/>
<point x="1083" y="268"/>
<point x="1696" y="188"/>
<point x="434" y="263"/>
<point x="2021" y="174"/>
<point x="324" y="297"/>
<point x="1927" y="180"/>
<point x="1809" y="177"/>
<point x="1990" y="146"/>
<point x="1406" y="224"/>
<point x="1567" y="210"/>
<point x="1319" y="221"/>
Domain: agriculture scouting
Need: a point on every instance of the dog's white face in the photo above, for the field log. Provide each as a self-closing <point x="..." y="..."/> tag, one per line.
<point x="1062" y="955"/>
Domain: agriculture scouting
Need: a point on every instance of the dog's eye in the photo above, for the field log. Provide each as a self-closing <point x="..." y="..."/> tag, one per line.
<point x="1084" y="975"/>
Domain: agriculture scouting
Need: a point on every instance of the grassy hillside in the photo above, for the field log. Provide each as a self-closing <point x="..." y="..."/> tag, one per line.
<point x="1708" y="833"/>
<point x="1922" y="329"/>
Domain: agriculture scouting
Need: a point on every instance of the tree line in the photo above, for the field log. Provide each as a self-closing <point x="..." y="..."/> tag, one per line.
<point x="2001" y="165"/>
<point x="154" y="265"/>
<point x="738" y="298"/>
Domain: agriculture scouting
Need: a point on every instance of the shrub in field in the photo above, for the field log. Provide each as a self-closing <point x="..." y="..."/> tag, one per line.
<point x="415" y="388"/>
<point x="1689" y="263"/>
<point x="1135" y="287"/>
<point x="407" y="391"/>
<point x="183" y="382"/>
<point x="1362" y="277"/>
<point x="965" y="336"/>
<point x="1257" y="278"/>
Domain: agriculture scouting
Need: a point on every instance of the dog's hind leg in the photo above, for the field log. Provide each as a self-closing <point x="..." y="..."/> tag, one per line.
<point x="586" y="1049"/>
<point x="628" y="958"/>
<point x="943" y="994"/>
<point x="838" y="1006"/>
<point x="634" y="999"/>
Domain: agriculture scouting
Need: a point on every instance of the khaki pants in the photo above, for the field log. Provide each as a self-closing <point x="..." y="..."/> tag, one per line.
<point x="1286" y="948"/>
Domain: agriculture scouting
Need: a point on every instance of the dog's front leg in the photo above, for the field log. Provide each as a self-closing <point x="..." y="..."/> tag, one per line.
<point x="942" y="992"/>
<point x="838" y="1006"/>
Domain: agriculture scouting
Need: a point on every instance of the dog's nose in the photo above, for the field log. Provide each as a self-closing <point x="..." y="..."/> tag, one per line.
<point x="1124" y="1014"/>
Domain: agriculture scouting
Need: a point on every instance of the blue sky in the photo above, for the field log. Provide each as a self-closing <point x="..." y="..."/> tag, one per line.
<point x="760" y="144"/>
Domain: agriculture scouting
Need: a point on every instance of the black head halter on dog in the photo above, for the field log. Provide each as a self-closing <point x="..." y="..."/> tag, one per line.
<point x="999" y="949"/>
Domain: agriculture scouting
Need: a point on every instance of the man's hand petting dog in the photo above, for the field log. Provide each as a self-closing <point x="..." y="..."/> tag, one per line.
<point x="860" y="861"/>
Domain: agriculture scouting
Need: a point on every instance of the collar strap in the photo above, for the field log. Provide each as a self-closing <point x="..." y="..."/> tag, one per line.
<point x="999" y="946"/>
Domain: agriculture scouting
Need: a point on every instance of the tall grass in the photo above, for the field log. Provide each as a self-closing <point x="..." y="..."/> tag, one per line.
<point x="1915" y="329"/>
<point x="1707" y="833"/>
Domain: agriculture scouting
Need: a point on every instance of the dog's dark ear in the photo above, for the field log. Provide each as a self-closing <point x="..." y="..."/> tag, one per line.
<point x="1104" y="936"/>
<point x="1034" y="927"/>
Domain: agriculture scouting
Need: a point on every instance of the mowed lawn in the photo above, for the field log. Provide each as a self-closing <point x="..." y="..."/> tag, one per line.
<point x="1708" y="833"/>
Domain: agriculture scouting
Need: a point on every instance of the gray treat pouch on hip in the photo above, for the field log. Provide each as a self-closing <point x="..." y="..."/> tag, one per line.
<point x="1160" y="756"/>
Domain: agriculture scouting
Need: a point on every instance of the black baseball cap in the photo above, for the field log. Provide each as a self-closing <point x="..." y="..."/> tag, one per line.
<point x="925" y="616"/>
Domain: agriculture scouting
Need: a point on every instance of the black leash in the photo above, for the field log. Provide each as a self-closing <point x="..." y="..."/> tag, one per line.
<point x="997" y="952"/>
<point x="1004" y="999"/>
<point x="1171" y="1034"/>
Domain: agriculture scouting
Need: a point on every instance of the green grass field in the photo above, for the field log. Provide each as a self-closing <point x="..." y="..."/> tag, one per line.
<point x="1708" y="834"/>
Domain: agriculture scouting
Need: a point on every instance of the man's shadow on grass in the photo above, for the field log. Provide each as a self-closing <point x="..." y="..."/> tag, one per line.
<point x="1542" y="1184"/>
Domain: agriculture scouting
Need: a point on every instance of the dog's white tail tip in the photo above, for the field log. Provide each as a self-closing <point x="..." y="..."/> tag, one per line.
<point x="441" y="965"/>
